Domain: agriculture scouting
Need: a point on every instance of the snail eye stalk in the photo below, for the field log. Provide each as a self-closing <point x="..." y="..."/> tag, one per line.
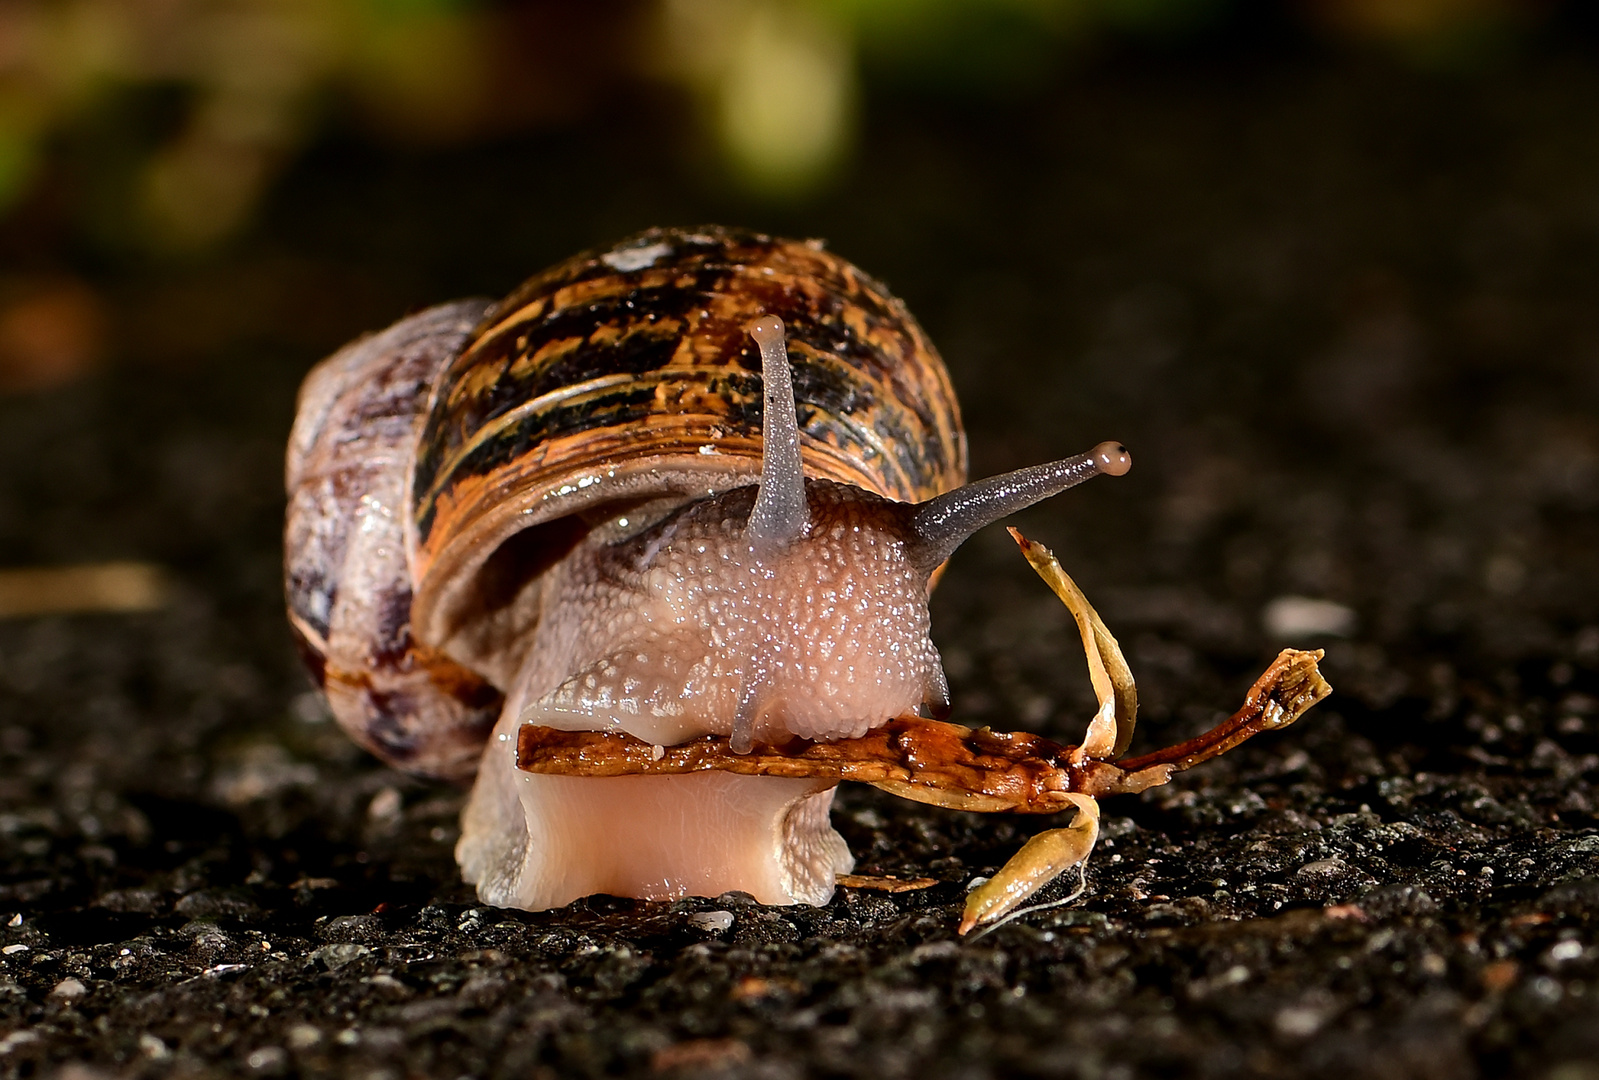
<point x="942" y="524"/>
<point x="780" y="514"/>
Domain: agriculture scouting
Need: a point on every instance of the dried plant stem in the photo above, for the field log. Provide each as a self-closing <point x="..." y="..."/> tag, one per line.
<point x="936" y="762"/>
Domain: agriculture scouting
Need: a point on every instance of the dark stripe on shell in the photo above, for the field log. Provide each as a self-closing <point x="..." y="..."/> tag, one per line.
<point x="668" y="310"/>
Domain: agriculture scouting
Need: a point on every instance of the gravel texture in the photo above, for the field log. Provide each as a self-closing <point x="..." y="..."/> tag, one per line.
<point x="1345" y="319"/>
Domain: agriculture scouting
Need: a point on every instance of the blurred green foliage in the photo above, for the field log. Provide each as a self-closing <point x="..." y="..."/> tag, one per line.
<point x="984" y="43"/>
<point x="161" y="123"/>
<point x="252" y="80"/>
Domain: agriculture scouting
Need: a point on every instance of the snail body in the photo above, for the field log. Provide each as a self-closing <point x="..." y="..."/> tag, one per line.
<point x="694" y="485"/>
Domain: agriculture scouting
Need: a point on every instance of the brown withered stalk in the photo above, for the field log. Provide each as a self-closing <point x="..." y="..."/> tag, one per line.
<point x="940" y="763"/>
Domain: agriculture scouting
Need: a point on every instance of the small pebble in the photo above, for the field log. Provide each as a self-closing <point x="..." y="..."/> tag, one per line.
<point x="268" y="1059"/>
<point x="385" y="805"/>
<point x="1299" y="1021"/>
<point x="335" y="956"/>
<point x="1565" y="950"/>
<point x="714" y="921"/>
<point x="70" y="989"/>
<point x="16" y="1039"/>
<point x="1293" y="618"/>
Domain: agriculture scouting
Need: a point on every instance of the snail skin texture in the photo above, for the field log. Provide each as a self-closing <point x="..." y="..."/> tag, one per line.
<point x="695" y="484"/>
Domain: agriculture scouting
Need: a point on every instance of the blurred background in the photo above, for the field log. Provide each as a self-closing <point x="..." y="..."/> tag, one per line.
<point x="144" y="144"/>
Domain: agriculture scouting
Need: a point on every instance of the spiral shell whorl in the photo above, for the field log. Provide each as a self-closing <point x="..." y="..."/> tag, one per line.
<point x="346" y="580"/>
<point x="629" y="374"/>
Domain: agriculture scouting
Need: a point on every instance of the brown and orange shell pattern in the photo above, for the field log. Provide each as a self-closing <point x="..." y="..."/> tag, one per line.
<point x="435" y="467"/>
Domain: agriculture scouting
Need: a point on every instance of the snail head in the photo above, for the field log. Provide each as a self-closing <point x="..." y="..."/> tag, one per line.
<point x="791" y="608"/>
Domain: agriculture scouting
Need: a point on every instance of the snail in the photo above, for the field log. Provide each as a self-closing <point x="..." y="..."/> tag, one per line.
<point x="683" y="501"/>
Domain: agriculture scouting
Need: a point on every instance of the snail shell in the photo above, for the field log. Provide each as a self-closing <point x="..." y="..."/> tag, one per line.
<point x="458" y="482"/>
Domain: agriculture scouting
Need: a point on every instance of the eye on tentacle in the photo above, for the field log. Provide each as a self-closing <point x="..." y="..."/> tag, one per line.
<point x="780" y="514"/>
<point x="944" y="523"/>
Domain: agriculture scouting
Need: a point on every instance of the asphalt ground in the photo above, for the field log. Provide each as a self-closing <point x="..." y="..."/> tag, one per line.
<point x="1343" y="315"/>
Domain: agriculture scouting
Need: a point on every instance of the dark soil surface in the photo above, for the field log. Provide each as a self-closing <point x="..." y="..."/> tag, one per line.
<point x="1346" y="319"/>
